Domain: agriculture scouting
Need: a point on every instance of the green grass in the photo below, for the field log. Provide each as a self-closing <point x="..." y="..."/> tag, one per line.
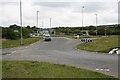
<point x="102" y="44"/>
<point x="34" y="69"/>
<point x="80" y="36"/>
<point x="88" y="37"/>
<point x="0" y="68"/>
<point x="16" y="43"/>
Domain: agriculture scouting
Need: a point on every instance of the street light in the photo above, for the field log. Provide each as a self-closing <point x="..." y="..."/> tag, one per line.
<point x="96" y="23"/>
<point x="50" y="25"/>
<point x="82" y="18"/>
<point x="50" y="22"/>
<point x="37" y="18"/>
<point x="21" y="41"/>
<point x="105" y="31"/>
<point x="42" y="23"/>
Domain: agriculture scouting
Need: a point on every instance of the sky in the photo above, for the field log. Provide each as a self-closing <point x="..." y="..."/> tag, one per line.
<point x="63" y="13"/>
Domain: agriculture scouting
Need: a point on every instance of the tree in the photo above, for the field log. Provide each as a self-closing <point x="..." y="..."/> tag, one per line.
<point x="14" y="27"/>
<point x="28" y="26"/>
<point x="92" y="28"/>
<point x="9" y="34"/>
<point x="92" y="32"/>
<point x="26" y="33"/>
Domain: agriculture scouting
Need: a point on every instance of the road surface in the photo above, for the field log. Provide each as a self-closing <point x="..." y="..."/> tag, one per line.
<point x="63" y="51"/>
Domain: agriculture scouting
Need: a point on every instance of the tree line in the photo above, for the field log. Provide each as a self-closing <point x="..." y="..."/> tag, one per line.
<point x="101" y="30"/>
<point x="13" y="32"/>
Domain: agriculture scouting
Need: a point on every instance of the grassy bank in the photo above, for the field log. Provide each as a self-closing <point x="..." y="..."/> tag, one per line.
<point x="33" y="69"/>
<point x="73" y="37"/>
<point x="102" y="44"/>
<point x="16" y="43"/>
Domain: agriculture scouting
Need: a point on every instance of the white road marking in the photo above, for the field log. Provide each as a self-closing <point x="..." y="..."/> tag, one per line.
<point x="101" y="69"/>
<point x="107" y="70"/>
<point x="8" y="54"/>
<point x="97" y="69"/>
<point x="13" y="52"/>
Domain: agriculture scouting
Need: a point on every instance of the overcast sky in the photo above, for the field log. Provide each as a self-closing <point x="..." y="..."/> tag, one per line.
<point x="67" y="13"/>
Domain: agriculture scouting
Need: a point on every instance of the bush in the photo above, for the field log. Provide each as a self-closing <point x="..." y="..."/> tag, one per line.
<point x="92" y="32"/>
<point x="26" y="33"/>
<point x="9" y="34"/>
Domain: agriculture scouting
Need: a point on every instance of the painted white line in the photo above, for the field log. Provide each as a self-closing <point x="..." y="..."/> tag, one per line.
<point x="97" y="69"/>
<point x="101" y="69"/>
<point x="105" y="69"/>
<point x="8" y="54"/>
<point x="13" y="52"/>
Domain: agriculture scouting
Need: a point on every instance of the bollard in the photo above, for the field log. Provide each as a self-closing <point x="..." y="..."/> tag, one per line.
<point x="86" y="40"/>
<point x="90" y="40"/>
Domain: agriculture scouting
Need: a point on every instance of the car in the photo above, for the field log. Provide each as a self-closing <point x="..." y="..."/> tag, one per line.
<point x="77" y="37"/>
<point x="47" y="37"/>
<point x="84" y="35"/>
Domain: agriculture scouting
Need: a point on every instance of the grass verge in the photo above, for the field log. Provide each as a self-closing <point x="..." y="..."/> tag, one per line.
<point x="74" y="37"/>
<point x="16" y="43"/>
<point x="34" y="69"/>
<point x="102" y="44"/>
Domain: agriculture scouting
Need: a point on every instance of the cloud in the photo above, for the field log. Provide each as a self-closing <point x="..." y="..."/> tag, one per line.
<point x="94" y="7"/>
<point x="9" y="14"/>
<point x="62" y="13"/>
<point x="53" y="4"/>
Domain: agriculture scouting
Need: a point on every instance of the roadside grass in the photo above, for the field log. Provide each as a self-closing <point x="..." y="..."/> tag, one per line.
<point x="16" y="43"/>
<point x="102" y="44"/>
<point x="73" y="37"/>
<point x="34" y="69"/>
<point x="0" y="67"/>
<point x="88" y="37"/>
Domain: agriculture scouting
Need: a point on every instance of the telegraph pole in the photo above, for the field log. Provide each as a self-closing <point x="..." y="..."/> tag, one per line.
<point x="21" y="41"/>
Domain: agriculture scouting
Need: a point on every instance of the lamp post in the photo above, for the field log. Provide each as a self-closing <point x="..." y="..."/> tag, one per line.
<point x="82" y="18"/>
<point x="50" y="26"/>
<point x="21" y="41"/>
<point x="50" y="22"/>
<point x="42" y="23"/>
<point x="105" y="31"/>
<point x="96" y="23"/>
<point x="37" y="18"/>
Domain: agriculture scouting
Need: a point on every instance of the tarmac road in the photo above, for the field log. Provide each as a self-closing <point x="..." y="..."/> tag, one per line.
<point x="62" y="51"/>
